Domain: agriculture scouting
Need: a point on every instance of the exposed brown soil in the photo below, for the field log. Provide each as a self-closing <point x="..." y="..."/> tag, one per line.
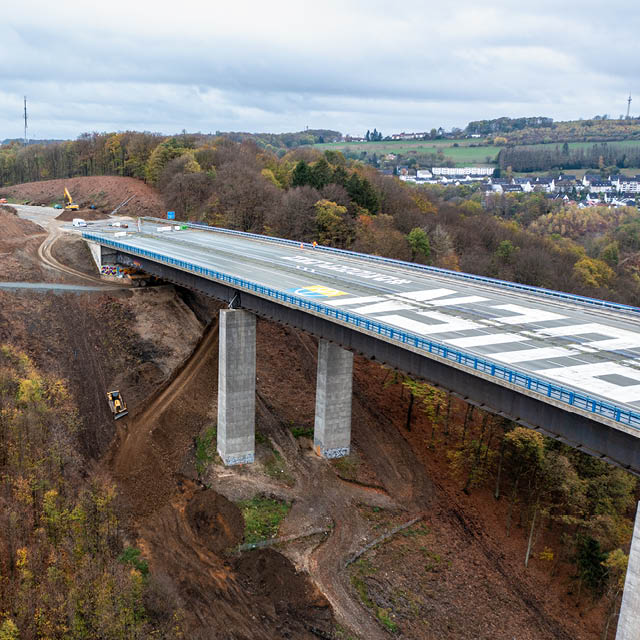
<point x="216" y="521"/>
<point x="73" y="251"/>
<point x="19" y="241"/>
<point x="87" y="214"/>
<point x="92" y="340"/>
<point x="220" y="597"/>
<point x="268" y="574"/>
<point x="466" y="565"/>
<point x="104" y="192"/>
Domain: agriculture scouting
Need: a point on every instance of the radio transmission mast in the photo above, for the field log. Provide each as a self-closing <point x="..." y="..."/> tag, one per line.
<point x="628" y="105"/>
<point x="25" y="121"/>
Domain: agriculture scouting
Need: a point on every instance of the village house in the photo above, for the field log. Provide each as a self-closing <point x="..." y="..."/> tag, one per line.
<point x="600" y="186"/>
<point x="525" y="183"/>
<point x="591" y="177"/>
<point x="544" y="184"/>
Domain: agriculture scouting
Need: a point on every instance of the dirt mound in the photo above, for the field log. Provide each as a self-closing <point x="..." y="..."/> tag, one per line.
<point x="104" y="192"/>
<point x="19" y="240"/>
<point x="14" y="228"/>
<point x="9" y="209"/>
<point x="88" y="214"/>
<point x="220" y="600"/>
<point x="268" y="573"/>
<point x="74" y="252"/>
<point x="216" y="521"/>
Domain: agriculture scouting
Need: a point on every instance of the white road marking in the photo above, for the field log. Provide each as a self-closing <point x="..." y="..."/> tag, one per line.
<point x="529" y="355"/>
<point x="456" y="301"/>
<point x="585" y="376"/>
<point x="525" y="315"/>
<point x="447" y="323"/>
<point x="428" y="294"/>
<point x="617" y="338"/>
<point x="486" y="340"/>
<point x="363" y="300"/>
<point x="389" y="305"/>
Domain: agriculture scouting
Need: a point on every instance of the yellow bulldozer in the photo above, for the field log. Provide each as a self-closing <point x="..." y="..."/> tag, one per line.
<point x="70" y="205"/>
<point x="117" y="404"/>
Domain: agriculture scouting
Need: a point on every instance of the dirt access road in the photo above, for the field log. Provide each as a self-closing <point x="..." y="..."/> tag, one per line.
<point x="46" y="217"/>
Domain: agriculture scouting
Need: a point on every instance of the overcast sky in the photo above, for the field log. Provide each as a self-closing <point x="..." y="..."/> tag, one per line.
<point x="281" y="66"/>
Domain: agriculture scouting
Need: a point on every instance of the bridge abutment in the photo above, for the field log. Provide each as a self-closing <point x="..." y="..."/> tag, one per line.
<point x="629" y="620"/>
<point x="236" y="386"/>
<point x="102" y="255"/>
<point x="332" y="432"/>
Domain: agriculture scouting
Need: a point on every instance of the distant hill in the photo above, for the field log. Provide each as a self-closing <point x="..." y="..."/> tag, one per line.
<point x="29" y="142"/>
<point x="538" y="130"/>
<point x="285" y="140"/>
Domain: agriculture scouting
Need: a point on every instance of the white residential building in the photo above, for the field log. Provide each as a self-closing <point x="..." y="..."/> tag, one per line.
<point x="626" y="184"/>
<point x="602" y="186"/>
<point x="525" y="183"/>
<point x="544" y="184"/>
<point x="463" y="171"/>
<point x="424" y="174"/>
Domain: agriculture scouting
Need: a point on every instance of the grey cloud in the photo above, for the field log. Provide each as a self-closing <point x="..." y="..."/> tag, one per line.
<point x="351" y="67"/>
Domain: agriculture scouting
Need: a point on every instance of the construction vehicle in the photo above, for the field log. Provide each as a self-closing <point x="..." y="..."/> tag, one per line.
<point x="137" y="278"/>
<point x="70" y="204"/>
<point x="117" y="405"/>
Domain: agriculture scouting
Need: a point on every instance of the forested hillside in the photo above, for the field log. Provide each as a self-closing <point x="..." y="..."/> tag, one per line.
<point x="128" y="153"/>
<point x="545" y="130"/>
<point x="65" y="569"/>
<point x="610" y="157"/>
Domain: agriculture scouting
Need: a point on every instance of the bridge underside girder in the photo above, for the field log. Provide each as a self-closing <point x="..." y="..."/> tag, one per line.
<point x="577" y="430"/>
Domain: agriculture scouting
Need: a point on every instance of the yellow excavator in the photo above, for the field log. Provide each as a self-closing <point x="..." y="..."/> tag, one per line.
<point x="117" y="405"/>
<point x="70" y="205"/>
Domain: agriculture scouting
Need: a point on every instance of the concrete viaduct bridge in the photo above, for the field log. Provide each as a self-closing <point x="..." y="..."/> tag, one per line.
<point x="565" y="365"/>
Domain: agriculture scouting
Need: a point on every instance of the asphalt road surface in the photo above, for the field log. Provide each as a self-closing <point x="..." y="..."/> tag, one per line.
<point x="586" y="349"/>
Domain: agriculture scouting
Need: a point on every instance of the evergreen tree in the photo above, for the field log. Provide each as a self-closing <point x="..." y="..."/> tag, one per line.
<point x="321" y="174"/>
<point x="362" y="193"/>
<point x="301" y="175"/>
<point x="340" y="176"/>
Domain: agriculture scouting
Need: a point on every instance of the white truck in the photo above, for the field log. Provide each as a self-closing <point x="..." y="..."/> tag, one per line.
<point x="79" y="222"/>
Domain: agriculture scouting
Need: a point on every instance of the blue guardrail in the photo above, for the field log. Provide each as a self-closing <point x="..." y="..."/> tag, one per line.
<point x="512" y="376"/>
<point x="603" y="304"/>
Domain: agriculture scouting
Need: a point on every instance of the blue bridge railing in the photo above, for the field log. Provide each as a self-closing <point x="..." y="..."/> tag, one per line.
<point x="481" y="365"/>
<point x="561" y="295"/>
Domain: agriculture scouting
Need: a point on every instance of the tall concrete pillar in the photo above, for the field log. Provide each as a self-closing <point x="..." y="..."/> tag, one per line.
<point x="237" y="386"/>
<point x="332" y="432"/>
<point x="629" y="620"/>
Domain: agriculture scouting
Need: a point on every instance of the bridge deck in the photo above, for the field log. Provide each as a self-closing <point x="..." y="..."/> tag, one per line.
<point x="579" y="347"/>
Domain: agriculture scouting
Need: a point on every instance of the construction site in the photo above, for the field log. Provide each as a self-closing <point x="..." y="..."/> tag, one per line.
<point x="386" y="542"/>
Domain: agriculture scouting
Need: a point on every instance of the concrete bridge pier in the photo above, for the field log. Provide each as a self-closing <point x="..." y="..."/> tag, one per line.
<point x="332" y="432"/>
<point x="629" y="619"/>
<point x="236" y="386"/>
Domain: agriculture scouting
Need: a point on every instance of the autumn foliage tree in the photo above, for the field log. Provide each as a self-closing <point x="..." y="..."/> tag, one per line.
<point x="61" y="572"/>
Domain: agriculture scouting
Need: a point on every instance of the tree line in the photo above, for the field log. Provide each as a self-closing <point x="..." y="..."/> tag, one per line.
<point x="547" y="157"/>
<point x="506" y="125"/>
